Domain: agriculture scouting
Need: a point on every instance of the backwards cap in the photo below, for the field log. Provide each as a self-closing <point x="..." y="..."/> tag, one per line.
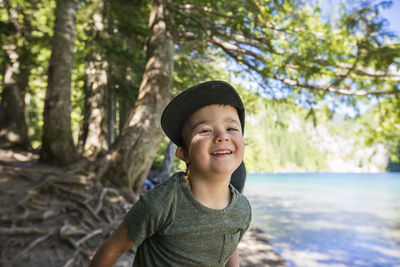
<point x="194" y="98"/>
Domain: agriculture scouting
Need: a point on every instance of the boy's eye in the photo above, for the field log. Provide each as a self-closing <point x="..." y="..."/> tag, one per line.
<point x="232" y="129"/>
<point x="205" y="131"/>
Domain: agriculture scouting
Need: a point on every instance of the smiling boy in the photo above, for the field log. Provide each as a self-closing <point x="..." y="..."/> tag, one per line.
<point x="196" y="218"/>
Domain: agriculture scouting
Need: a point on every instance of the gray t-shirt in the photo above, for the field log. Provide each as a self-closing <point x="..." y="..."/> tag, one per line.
<point x="171" y="228"/>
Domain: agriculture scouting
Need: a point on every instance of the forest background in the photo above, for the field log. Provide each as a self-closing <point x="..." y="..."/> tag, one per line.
<point x="294" y="66"/>
<point x="83" y="85"/>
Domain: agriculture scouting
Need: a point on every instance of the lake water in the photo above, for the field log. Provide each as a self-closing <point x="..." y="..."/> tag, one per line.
<point x="327" y="219"/>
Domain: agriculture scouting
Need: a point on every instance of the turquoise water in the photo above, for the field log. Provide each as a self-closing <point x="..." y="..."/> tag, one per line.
<point x="327" y="219"/>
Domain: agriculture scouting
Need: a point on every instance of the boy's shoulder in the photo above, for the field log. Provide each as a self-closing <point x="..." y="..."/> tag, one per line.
<point x="163" y="191"/>
<point x="241" y="199"/>
<point x="172" y="181"/>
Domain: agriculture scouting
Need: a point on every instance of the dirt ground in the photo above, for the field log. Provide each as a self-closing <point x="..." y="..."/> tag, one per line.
<point x="256" y="250"/>
<point x="59" y="216"/>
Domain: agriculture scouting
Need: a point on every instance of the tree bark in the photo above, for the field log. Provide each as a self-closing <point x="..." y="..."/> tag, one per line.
<point x="93" y="137"/>
<point x="111" y="109"/>
<point x="128" y="162"/>
<point x="57" y="144"/>
<point x="126" y="105"/>
<point x="14" y="129"/>
<point x="110" y="95"/>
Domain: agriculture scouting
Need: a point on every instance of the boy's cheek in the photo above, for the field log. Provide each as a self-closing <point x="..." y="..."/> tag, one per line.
<point x="240" y="145"/>
<point x="242" y="142"/>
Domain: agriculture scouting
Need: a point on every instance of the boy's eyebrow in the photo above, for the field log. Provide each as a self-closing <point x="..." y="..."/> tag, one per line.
<point x="199" y="123"/>
<point x="228" y="119"/>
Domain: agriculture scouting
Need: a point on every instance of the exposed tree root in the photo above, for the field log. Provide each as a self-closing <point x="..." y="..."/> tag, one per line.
<point x="54" y="217"/>
<point x="34" y="243"/>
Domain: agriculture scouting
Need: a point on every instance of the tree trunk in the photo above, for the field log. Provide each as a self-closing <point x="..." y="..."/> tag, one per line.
<point x="93" y="137"/>
<point x="110" y="95"/>
<point x="126" y="105"/>
<point x="128" y="162"/>
<point x="57" y="144"/>
<point x="111" y="109"/>
<point x="14" y="130"/>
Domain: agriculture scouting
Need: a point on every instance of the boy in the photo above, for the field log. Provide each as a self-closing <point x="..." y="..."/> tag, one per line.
<point x="195" y="218"/>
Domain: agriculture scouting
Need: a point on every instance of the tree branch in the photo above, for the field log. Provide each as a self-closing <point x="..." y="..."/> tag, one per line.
<point x="335" y="90"/>
<point x="342" y="77"/>
<point x="237" y="52"/>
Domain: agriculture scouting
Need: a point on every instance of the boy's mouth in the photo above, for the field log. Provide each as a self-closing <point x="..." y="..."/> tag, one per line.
<point x="221" y="152"/>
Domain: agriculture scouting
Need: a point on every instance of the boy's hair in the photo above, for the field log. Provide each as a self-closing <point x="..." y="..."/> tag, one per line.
<point x="192" y="99"/>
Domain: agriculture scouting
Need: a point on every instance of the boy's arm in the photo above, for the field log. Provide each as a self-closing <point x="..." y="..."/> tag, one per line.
<point x="114" y="246"/>
<point x="234" y="260"/>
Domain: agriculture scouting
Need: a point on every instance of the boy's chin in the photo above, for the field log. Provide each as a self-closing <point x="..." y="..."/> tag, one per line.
<point x="224" y="171"/>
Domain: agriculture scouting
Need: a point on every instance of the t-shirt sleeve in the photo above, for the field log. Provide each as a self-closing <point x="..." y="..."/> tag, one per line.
<point x="149" y="213"/>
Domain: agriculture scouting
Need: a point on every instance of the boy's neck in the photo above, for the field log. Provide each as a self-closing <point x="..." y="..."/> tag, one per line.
<point x="214" y="194"/>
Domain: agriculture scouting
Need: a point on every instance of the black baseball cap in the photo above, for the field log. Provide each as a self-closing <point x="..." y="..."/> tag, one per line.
<point x="194" y="98"/>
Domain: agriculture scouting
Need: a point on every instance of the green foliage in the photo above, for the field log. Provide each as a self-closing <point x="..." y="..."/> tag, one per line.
<point x="33" y="48"/>
<point x="42" y="30"/>
<point x="289" y="42"/>
<point x="382" y="123"/>
<point x="276" y="139"/>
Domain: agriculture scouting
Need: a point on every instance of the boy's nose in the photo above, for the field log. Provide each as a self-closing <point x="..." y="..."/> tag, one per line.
<point x="221" y="137"/>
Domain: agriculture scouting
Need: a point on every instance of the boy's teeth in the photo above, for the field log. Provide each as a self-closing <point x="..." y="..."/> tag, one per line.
<point x="221" y="152"/>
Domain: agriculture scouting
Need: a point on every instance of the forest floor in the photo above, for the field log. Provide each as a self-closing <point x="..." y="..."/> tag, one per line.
<point x="53" y="216"/>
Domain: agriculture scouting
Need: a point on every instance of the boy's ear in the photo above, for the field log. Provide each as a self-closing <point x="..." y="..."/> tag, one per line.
<point x="180" y="153"/>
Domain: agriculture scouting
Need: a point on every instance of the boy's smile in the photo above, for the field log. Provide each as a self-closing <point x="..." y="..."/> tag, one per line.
<point x="221" y="152"/>
<point x="213" y="141"/>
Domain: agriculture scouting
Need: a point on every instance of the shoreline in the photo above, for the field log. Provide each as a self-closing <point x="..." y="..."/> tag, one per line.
<point x="255" y="249"/>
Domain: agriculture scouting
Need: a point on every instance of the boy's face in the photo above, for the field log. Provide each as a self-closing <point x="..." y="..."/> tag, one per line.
<point x="213" y="140"/>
